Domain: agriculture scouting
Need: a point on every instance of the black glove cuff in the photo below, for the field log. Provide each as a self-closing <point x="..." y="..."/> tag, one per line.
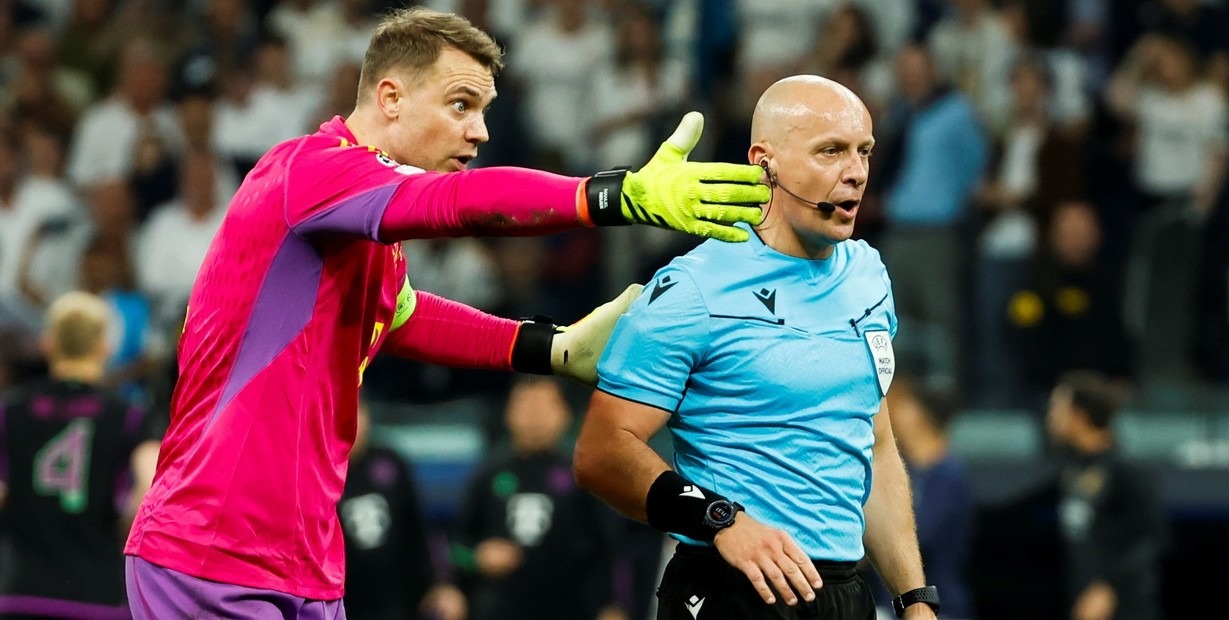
<point x="531" y="351"/>
<point x="677" y="505"/>
<point x="604" y="195"/>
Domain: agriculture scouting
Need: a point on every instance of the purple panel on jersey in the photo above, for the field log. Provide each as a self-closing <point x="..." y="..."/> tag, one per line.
<point x="57" y="608"/>
<point x="358" y="215"/>
<point x="284" y="305"/>
<point x="155" y="593"/>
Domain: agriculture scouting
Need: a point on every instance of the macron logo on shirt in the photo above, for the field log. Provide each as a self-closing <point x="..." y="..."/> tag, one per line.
<point x="663" y="285"/>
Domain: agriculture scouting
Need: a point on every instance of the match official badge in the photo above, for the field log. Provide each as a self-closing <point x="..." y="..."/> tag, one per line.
<point x="879" y="343"/>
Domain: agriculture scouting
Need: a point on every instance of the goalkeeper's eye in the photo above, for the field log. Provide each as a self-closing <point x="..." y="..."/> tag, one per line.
<point x="460" y="106"/>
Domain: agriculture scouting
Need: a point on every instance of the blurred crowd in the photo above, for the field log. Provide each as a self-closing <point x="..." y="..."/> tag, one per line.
<point x="1047" y="190"/>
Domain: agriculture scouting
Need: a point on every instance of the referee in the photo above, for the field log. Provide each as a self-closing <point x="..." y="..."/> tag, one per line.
<point x="768" y="361"/>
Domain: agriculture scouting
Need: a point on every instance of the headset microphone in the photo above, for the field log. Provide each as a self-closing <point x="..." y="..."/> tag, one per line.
<point x="826" y="207"/>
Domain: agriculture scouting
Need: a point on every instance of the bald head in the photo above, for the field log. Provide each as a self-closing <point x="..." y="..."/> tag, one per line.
<point x="795" y="102"/>
<point x="813" y="138"/>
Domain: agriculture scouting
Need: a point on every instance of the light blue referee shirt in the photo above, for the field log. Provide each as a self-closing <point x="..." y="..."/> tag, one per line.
<point x="773" y="368"/>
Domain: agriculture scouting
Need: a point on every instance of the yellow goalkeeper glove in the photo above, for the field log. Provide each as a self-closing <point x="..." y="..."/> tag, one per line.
<point x="543" y="348"/>
<point x="700" y="198"/>
<point x="575" y="350"/>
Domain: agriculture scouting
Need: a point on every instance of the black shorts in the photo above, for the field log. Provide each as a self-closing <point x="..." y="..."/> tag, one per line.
<point x="700" y="585"/>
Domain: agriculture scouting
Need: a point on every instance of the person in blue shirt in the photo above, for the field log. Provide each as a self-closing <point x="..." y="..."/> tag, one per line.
<point x="769" y="362"/>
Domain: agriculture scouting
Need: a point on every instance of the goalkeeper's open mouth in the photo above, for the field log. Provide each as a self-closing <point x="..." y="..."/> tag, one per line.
<point x="462" y="161"/>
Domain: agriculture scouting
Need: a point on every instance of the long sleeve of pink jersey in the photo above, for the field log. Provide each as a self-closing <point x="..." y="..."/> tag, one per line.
<point x="355" y="191"/>
<point x="485" y="201"/>
<point x="442" y="331"/>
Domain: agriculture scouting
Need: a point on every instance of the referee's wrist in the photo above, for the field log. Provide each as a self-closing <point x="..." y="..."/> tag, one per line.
<point x="677" y="505"/>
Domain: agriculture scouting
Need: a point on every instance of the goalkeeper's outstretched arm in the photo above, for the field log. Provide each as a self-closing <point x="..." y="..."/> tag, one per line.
<point x="389" y="202"/>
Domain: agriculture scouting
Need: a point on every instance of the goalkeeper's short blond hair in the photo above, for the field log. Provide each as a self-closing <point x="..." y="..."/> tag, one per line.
<point x="410" y="40"/>
<point x="76" y="326"/>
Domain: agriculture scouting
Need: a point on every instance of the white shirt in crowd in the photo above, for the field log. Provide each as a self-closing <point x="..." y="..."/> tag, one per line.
<point x="170" y="249"/>
<point x="106" y="137"/>
<point x="557" y="68"/>
<point x="459" y="269"/>
<point x="778" y="32"/>
<point x="319" y="39"/>
<point x="269" y="115"/>
<point x="37" y="201"/>
<point x="1177" y="133"/>
<point x="618" y="92"/>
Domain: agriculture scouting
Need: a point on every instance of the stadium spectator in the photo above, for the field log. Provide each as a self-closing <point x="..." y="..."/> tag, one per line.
<point x="847" y="50"/>
<point x="1068" y="313"/>
<point x="553" y="61"/>
<point x="105" y="145"/>
<point x="264" y="108"/>
<point x="769" y="362"/>
<point x="1109" y="516"/>
<point x="1036" y="165"/>
<point x="85" y="47"/>
<point x="972" y="51"/>
<point x="1200" y="24"/>
<point x="637" y="91"/>
<point x="34" y="206"/>
<point x="41" y="93"/>
<point x="1181" y="124"/>
<point x="774" y="35"/>
<point x="389" y="569"/>
<point x="1033" y="39"/>
<point x="531" y="543"/>
<point x="171" y="246"/>
<point x="305" y="281"/>
<point x="69" y="446"/>
<point x="925" y="201"/>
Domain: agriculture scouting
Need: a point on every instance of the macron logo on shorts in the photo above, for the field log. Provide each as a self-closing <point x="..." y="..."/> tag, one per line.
<point x="692" y="491"/>
<point x="693" y="605"/>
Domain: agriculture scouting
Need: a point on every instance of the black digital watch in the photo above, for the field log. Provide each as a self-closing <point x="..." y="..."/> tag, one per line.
<point x="928" y="595"/>
<point x="720" y="514"/>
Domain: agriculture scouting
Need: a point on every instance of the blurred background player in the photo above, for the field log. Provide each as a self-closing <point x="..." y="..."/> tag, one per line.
<point x="389" y="571"/>
<point x="942" y="498"/>
<point x="67" y="446"/>
<point x="534" y="545"/>
<point x="1109" y="519"/>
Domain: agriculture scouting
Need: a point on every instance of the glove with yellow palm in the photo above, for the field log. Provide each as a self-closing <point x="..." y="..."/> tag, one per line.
<point x="572" y="351"/>
<point x="700" y="198"/>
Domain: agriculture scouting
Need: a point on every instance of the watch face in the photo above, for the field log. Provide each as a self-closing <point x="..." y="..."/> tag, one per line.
<point x="721" y="513"/>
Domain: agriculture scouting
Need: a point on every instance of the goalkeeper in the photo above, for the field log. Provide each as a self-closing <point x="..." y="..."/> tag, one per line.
<point x="305" y="282"/>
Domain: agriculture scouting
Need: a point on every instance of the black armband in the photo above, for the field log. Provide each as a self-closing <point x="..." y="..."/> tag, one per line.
<point x="604" y="196"/>
<point x="677" y="505"/>
<point x="531" y="351"/>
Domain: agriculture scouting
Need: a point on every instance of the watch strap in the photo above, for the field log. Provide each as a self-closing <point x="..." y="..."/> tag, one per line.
<point x="928" y="595"/>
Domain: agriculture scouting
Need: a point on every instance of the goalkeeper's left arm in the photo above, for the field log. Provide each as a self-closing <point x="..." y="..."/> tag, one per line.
<point x="700" y="198"/>
<point x="432" y="329"/>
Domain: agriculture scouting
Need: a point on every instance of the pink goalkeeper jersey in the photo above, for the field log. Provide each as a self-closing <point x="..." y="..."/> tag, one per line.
<point x="297" y="293"/>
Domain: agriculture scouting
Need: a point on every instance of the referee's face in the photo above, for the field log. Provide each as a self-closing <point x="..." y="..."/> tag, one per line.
<point x="826" y="158"/>
<point x="441" y="114"/>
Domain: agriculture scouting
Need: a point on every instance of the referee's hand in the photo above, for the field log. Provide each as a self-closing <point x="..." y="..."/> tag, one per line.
<point x="768" y="555"/>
